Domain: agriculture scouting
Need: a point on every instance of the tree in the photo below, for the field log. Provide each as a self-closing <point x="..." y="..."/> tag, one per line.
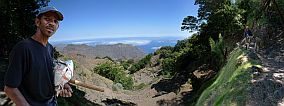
<point x="17" y="22"/>
<point x="208" y="7"/>
<point x="189" y="23"/>
<point x="267" y="14"/>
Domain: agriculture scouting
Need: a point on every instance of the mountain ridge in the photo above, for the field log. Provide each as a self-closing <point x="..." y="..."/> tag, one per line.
<point x="115" y="52"/>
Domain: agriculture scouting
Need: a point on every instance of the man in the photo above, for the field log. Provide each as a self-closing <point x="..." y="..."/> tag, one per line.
<point x="30" y="79"/>
<point x="248" y="34"/>
<point x="247" y="37"/>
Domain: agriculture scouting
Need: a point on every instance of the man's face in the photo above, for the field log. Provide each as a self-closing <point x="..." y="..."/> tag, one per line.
<point x="47" y="24"/>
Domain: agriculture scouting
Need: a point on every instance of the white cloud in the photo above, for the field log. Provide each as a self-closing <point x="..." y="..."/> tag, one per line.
<point x="131" y="42"/>
<point x="155" y="48"/>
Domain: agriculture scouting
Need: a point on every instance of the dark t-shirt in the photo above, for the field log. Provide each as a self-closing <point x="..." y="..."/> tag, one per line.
<point x="247" y="33"/>
<point x="31" y="71"/>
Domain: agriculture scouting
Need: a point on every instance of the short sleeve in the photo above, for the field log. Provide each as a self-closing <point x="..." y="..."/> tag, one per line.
<point x="17" y="66"/>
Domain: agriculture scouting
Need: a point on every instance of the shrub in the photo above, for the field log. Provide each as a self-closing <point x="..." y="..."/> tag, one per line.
<point x="164" y="51"/>
<point x="126" y="64"/>
<point x="115" y="73"/>
<point x="168" y="66"/>
<point x="218" y="53"/>
<point x="140" y="64"/>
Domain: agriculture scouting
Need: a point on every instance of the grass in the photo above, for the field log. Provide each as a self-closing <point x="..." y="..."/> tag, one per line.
<point x="232" y="83"/>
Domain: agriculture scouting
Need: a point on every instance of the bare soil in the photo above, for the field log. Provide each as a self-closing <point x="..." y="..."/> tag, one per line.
<point x="268" y="83"/>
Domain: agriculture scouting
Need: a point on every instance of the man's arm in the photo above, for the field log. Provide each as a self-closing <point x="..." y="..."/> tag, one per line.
<point x="16" y="96"/>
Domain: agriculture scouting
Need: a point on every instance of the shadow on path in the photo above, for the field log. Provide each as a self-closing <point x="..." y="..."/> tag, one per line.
<point x="268" y="87"/>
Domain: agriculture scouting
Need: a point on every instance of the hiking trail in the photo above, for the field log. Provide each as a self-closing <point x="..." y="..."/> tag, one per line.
<point x="268" y="83"/>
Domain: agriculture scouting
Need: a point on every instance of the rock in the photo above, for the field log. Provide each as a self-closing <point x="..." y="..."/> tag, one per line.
<point x="117" y="87"/>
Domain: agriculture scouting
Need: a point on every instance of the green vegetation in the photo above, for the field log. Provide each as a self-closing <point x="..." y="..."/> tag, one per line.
<point x="218" y="53"/>
<point x="191" y="53"/>
<point x="177" y="59"/>
<point x="17" y="22"/>
<point x="167" y="60"/>
<point x="232" y="82"/>
<point x="140" y="64"/>
<point x="263" y="13"/>
<point x="164" y="51"/>
<point x="126" y="64"/>
<point x="228" y="18"/>
<point x="116" y="73"/>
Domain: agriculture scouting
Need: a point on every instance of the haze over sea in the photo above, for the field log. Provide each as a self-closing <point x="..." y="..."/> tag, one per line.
<point x="147" y="44"/>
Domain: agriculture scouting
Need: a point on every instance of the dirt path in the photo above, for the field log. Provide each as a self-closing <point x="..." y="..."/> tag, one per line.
<point x="268" y="85"/>
<point x="151" y="94"/>
<point x="147" y="96"/>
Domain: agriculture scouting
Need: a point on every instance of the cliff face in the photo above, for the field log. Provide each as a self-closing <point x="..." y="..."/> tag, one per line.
<point x="117" y="51"/>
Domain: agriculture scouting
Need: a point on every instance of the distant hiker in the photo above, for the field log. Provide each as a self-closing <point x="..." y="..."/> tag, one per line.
<point x="247" y="32"/>
<point x="247" y="36"/>
<point x="29" y="79"/>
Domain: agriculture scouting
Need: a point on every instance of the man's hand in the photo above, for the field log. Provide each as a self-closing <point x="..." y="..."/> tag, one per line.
<point x="67" y="91"/>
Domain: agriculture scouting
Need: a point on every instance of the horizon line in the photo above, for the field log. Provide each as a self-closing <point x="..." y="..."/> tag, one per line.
<point x="116" y="37"/>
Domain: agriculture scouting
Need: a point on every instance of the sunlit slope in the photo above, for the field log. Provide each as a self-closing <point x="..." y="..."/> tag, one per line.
<point x="233" y="82"/>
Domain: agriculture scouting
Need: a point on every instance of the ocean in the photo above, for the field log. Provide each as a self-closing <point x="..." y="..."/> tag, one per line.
<point x="147" y="44"/>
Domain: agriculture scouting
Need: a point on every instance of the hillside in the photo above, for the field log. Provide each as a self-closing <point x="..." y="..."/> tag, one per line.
<point x="248" y="79"/>
<point x="116" y="51"/>
<point x="233" y="82"/>
<point x="146" y="87"/>
<point x="243" y="79"/>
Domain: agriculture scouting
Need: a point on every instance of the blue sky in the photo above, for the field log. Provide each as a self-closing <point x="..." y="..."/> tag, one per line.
<point x="86" y="19"/>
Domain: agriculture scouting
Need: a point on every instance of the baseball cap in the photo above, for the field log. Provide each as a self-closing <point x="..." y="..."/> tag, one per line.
<point x="50" y="9"/>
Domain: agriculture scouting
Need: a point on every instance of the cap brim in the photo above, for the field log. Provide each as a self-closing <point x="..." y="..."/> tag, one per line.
<point x="60" y="16"/>
<point x="44" y="10"/>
